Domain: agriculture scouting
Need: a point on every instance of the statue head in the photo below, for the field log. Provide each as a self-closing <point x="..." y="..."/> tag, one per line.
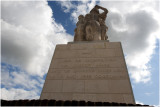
<point x="80" y="17"/>
<point x="95" y="10"/>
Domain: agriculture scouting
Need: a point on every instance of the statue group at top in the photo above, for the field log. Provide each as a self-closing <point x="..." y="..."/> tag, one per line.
<point x="92" y="27"/>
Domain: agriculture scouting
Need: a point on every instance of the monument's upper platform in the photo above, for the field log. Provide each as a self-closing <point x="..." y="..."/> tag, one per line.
<point x="92" y="27"/>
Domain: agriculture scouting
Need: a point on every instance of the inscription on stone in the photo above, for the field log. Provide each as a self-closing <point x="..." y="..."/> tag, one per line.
<point x="86" y="46"/>
<point x="90" y="72"/>
<point x="88" y="62"/>
<point x="87" y="73"/>
<point x="92" y="53"/>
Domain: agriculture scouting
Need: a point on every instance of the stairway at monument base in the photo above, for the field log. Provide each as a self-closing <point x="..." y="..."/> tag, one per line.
<point x="90" y="71"/>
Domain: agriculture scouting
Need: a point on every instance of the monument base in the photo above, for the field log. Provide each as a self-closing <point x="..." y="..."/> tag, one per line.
<point x="93" y="71"/>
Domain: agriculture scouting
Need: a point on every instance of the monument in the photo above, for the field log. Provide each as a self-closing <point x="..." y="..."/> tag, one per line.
<point x="91" y="68"/>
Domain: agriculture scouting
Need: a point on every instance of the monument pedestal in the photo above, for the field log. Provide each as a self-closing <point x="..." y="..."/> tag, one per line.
<point x="91" y="71"/>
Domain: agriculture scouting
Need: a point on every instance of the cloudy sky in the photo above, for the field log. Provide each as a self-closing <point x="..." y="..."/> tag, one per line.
<point x="30" y="31"/>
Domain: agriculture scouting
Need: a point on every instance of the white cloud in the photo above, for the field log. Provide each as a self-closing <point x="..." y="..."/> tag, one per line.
<point x="19" y="84"/>
<point x="148" y="93"/>
<point x="15" y="93"/>
<point x="29" y="36"/>
<point x="156" y="105"/>
<point x="66" y="6"/>
<point x="83" y="8"/>
<point x="138" y="102"/>
<point x="19" y="78"/>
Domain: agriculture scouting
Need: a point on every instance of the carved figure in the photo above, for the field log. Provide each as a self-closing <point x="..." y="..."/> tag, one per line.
<point x="92" y="26"/>
<point x="104" y="29"/>
<point x="93" y="31"/>
<point x="79" y="31"/>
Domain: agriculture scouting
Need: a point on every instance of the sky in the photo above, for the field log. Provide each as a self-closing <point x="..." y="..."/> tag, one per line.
<point x="30" y="31"/>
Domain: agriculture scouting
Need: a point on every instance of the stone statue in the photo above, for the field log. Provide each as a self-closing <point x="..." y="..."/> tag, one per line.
<point x="92" y="26"/>
<point x="79" y="31"/>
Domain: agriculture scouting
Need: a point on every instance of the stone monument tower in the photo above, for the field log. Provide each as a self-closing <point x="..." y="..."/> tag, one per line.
<point x="91" y="68"/>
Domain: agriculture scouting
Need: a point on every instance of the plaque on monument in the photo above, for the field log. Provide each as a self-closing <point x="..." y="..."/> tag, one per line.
<point x="91" y="68"/>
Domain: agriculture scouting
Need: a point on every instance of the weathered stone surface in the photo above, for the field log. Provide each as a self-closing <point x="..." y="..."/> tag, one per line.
<point x="90" y="71"/>
<point x="119" y="98"/>
<point x="87" y="45"/>
<point x="53" y="86"/>
<point x="73" y="86"/>
<point x="57" y="96"/>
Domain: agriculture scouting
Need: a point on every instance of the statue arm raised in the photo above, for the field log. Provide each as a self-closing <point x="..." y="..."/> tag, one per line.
<point x="104" y="9"/>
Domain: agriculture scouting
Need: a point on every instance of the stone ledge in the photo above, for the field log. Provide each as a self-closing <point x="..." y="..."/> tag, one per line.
<point x="98" y="41"/>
